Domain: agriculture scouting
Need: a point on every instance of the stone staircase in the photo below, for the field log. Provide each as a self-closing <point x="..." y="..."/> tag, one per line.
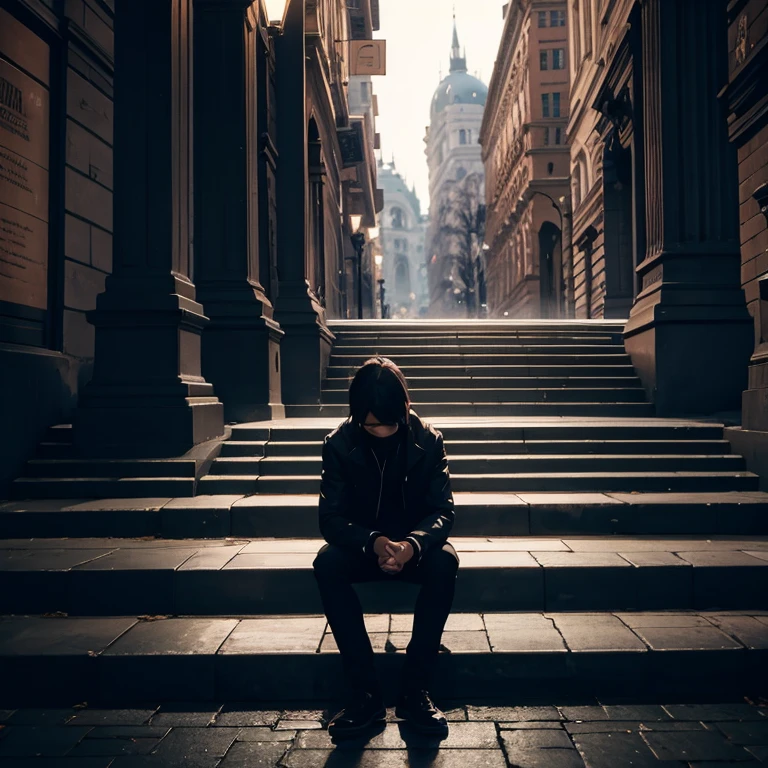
<point x="598" y="543"/>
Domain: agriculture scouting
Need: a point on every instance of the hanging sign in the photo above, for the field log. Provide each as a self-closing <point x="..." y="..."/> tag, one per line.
<point x="368" y="57"/>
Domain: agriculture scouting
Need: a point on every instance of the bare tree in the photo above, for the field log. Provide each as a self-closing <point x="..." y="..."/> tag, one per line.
<point x="457" y="243"/>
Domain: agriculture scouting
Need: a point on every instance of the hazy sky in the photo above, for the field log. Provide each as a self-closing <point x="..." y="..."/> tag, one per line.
<point x="418" y="34"/>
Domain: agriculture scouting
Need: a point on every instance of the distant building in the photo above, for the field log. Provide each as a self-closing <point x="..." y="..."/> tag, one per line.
<point x="402" y="231"/>
<point x="453" y="154"/>
<point x="527" y="162"/>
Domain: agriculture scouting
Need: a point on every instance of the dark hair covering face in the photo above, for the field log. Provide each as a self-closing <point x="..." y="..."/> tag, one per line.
<point x="380" y="388"/>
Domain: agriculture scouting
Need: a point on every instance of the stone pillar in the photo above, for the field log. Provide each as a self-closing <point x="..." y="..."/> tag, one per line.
<point x="148" y="397"/>
<point x="689" y="333"/>
<point x="241" y="346"/>
<point x="307" y="343"/>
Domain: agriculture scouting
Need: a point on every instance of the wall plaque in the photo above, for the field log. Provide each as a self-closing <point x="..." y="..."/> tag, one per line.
<point x="24" y="194"/>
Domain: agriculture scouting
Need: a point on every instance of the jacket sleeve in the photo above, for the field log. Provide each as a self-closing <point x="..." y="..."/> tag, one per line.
<point x="335" y="527"/>
<point x="434" y="529"/>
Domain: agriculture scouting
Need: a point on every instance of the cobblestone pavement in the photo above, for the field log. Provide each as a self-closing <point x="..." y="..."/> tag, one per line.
<point x="584" y="734"/>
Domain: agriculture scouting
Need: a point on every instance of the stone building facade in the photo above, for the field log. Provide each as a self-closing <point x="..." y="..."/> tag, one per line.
<point x="745" y="99"/>
<point x="453" y="155"/>
<point x="655" y="228"/>
<point x="527" y="163"/>
<point x="402" y="231"/>
<point x="129" y="130"/>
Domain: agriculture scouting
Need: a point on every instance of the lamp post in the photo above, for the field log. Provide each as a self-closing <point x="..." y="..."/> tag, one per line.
<point x="276" y="11"/>
<point x="358" y="243"/>
<point x="382" y="292"/>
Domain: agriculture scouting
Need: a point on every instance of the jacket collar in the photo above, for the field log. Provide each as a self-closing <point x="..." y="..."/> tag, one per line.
<point x="414" y="451"/>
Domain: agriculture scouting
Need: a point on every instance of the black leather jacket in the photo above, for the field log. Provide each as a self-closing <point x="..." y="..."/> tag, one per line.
<point x="349" y="491"/>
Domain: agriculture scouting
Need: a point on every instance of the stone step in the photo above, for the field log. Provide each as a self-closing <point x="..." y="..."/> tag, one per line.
<point x="498" y="394"/>
<point x="468" y="372"/>
<point x="82" y="577"/>
<point x="509" y="429"/>
<point x="440" y="409"/>
<point x="392" y="350"/>
<point x="240" y="658"/>
<point x="421" y="383"/>
<point x="114" y="469"/>
<point x="477" y="514"/>
<point x="100" y="487"/>
<point x="556" y="482"/>
<point x="506" y="447"/>
<point x="502" y="464"/>
<point x="461" y="325"/>
<point x="447" y="359"/>
<point x="419" y="339"/>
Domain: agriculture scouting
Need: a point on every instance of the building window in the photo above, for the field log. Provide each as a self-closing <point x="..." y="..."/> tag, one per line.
<point x="469" y="135"/>
<point x="555" y="105"/>
<point x="543" y="60"/>
<point x="542" y="18"/>
<point x="462" y="136"/>
<point x="558" y="135"/>
<point x="397" y="218"/>
<point x="545" y="105"/>
<point x="556" y="19"/>
<point x="546" y="137"/>
<point x="550" y="168"/>
<point x="558" y="58"/>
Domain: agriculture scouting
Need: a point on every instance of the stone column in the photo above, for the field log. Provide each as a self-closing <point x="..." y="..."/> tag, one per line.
<point x="241" y="346"/>
<point x="148" y="397"/>
<point x="307" y="343"/>
<point x="689" y="333"/>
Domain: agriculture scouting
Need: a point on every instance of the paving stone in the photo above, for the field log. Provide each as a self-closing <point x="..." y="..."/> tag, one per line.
<point x="751" y="733"/>
<point x="114" y="747"/>
<point x="263" y="735"/>
<point x="246" y="754"/>
<point x="46" y="741"/>
<point x="179" y="637"/>
<point x="457" y="622"/>
<point x="47" y="559"/>
<point x="234" y="717"/>
<point x="154" y="761"/>
<point x="596" y="632"/>
<point x="35" y="716"/>
<point x="5" y="714"/>
<point x="654" y="559"/>
<point x="666" y="620"/>
<point x="632" y="726"/>
<point x="112" y="717"/>
<point x="461" y="642"/>
<point x="286" y="635"/>
<point x="473" y="735"/>
<point x="642" y="712"/>
<point x="204" y="516"/>
<point x="759" y="752"/>
<point x="57" y="762"/>
<point x="212" y="558"/>
<point x="305" y="725"/>
<point x="185" y="715"/>
<point x="128" y="732"/>
<point x="378" y="642"/>
<point x="540" y="749"/>
<point x="522" y="632"/>
<point x="531" y="726"/>
<point x="686" y="638"/>
<point x="592" y="712"/>
<point x="182" y="743"/>
<point x="693" y="745"/>
<point x="513" y="714"/>
<point x="59" y="636"/>
<point x="413" y="758"/>
<point x="303" y="714"/>
<point x="711" y="713"/>
<point x="378" y="622"/>
<point x="611" y="750"/>
<point x="746" y="629"/>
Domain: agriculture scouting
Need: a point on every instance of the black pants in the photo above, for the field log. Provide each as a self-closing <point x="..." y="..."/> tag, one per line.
<point x="336" y="570"/>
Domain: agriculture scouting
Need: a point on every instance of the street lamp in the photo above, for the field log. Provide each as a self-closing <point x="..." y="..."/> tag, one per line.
<point x="358" y="243"/>
<point x="276" y="11"/>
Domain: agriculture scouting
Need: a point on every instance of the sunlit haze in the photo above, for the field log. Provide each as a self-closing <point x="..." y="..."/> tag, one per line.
<point x="418" y="34"/>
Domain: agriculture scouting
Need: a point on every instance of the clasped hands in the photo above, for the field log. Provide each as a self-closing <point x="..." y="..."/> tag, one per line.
<point x="392" y="555"/>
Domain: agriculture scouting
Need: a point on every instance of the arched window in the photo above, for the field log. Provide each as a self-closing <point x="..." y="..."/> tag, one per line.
<point x="550" y="168"/>
<point x="397" y="217"/>
<point x="576" y="184"/>
<point x="402" y="279"/>
<point x="460" y="173"/>
<point x="462" y="136"/>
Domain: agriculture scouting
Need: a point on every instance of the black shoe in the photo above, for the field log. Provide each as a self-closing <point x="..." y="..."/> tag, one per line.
<point x="361" y="713"/>
<point x="418" y="710"/>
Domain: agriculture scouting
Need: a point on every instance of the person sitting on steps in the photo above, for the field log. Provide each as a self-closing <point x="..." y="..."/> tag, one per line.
<point x="386" y="510"/>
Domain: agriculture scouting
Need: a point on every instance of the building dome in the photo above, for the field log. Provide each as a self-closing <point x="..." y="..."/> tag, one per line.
<point x="459" y="87"/>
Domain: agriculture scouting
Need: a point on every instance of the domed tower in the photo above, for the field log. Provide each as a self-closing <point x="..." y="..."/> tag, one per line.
<point x="453" y="156"/>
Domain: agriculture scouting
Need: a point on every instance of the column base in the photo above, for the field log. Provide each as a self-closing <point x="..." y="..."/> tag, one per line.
<point x="753" y="446"/>
<point x="306" y="348"/>
<point x="147" y="398"/>
<point x="690" y="345"/>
